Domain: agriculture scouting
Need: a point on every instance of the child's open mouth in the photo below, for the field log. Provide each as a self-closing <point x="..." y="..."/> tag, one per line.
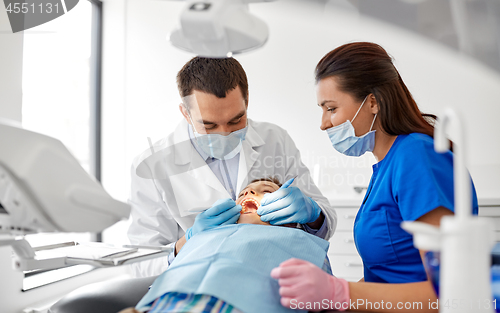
<point x="249" y="206"/>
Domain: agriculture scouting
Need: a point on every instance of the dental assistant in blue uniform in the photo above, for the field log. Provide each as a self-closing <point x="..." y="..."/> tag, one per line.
<point x="368" y="108"/>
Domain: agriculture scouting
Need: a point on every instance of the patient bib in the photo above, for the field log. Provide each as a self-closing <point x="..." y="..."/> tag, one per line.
<point x="234" y="262"/>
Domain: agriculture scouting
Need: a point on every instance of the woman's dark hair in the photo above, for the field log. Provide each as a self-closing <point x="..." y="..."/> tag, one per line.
<point x="364" y="68"/>
<point x="271" y="179"/>
<point x="213" y="76"/>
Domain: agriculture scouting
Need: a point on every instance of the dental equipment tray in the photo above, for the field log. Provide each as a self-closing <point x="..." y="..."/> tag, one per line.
<point x="93" y="253"/>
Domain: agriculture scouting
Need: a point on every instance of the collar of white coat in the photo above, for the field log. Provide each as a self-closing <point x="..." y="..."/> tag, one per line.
<point x="185" y="156"/>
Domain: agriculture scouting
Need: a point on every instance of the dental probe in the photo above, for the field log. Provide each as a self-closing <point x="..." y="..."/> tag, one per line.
<point x="288" y="182"/>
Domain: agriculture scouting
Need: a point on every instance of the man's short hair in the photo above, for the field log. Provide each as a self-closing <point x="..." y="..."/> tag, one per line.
<point x="213" y="76"/>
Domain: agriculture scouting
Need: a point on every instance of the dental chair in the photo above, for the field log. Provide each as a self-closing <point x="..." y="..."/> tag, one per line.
<point x="104" y="297"/>
<point x="43" y="188"/>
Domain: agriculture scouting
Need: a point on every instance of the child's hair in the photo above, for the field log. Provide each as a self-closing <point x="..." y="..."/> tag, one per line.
<point x="272" y="179"/>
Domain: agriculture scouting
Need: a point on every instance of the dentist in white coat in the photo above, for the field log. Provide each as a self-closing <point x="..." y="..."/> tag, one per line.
<point x="213" y="153"/>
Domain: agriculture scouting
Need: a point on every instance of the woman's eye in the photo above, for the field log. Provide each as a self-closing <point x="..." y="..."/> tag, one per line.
<point x="234" y="123"/>
<point x="331" y="109"/>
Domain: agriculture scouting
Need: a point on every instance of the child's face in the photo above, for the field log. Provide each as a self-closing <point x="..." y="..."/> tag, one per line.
<point x="250" y="198"/>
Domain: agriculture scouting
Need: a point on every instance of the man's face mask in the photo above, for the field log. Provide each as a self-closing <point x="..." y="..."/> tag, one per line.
<point x="220" y="146"/>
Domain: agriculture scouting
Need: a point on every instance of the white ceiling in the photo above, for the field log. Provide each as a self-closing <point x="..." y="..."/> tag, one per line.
<point x="470" y="26"/>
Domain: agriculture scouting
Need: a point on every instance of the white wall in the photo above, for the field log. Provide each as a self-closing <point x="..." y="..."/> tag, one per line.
<point x="12" y="299"/>
<point x="114" y="93"/>
<point x="282" y="86"/>
<point x="11" y="62"/>
<point x="11" y="57"/>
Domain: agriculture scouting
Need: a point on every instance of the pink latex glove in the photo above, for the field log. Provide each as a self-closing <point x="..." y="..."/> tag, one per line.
<point x="304" y="282"/>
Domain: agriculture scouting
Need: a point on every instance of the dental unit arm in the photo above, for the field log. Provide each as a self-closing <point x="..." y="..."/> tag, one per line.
<point x="464" y="241"/>
<point x="43" y="188"/>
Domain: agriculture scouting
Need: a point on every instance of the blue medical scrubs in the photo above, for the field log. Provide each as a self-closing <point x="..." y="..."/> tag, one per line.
<point x="409" y="182"/>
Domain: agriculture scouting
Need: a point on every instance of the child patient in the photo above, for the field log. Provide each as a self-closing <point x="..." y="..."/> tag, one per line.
<point x="188" y="261"/>
<point x="250" y="198"/>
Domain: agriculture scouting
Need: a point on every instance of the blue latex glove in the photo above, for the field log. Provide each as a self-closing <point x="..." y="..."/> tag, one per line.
<point x="222" y="212"/>
<point x="288" y="205"/>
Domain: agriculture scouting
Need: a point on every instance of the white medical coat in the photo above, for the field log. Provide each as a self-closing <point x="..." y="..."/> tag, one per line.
<point x="170" y="181"/>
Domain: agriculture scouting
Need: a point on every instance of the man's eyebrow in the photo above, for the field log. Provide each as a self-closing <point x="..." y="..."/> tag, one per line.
<point x="322" y="104"/>
<point x="239" y="115"/>
<point x="206" y="122"/>
<point x="202" y="121"/>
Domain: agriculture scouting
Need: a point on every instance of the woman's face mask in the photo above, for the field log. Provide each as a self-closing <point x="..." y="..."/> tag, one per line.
<point x="345" y="141"/>
<point x="340" y="109"/>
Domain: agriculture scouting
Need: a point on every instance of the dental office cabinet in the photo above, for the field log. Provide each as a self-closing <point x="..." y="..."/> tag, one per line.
<point x="344" y="258"/>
